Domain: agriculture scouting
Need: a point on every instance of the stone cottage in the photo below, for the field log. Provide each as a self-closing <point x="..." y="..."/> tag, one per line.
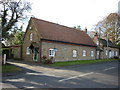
<point x="105" y="49"/>
<point x="43" y="38"/>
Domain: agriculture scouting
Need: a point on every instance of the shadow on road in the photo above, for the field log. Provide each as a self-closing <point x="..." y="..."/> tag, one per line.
<point x="34" y="79"/>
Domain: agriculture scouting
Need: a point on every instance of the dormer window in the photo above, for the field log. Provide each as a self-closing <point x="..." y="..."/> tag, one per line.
<point x="31" y="36"/>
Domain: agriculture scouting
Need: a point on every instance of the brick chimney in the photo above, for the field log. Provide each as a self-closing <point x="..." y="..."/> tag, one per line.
<point x="95" y="37"/>
<point x="85" y="29"/>
<point x="111" y="39"/>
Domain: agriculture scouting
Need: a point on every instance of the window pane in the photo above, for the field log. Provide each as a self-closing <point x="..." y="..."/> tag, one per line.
<point x="27" y="50"/>
<point x="116" y="53"/>
<point x="92" y="53"/>
<point x="106" y="52"/>
<point x="51" y="52"/>
<point x="74" y="53"/>
<point x="97" y="52"/>
<point x="31" y="36"/>
<point x="84" y="53"/>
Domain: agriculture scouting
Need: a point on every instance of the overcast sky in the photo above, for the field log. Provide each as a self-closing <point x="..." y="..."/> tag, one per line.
<point x="85" y="13"/>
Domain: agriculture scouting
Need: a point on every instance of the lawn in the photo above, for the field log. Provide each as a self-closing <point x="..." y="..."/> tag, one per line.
<point x="9" y="68"/>
<point x="68" y="63"/>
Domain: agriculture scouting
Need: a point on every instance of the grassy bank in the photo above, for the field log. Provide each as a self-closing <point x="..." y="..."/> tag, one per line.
<point x="9" y="68"/>
<point x="67" y="63"/>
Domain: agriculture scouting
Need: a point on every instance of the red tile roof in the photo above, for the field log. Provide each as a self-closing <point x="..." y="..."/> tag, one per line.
<point x="52" y="31"/>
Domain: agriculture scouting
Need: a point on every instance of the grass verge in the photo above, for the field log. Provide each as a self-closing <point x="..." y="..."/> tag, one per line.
<point x="8" y="68"/>
<point x="68" y="63"/>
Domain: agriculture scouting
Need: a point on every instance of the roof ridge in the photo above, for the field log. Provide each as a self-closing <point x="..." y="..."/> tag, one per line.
<point x="56" y="24"/>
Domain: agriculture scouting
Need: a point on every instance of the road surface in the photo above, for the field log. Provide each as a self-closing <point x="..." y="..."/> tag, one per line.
<point x="99" y="75"/>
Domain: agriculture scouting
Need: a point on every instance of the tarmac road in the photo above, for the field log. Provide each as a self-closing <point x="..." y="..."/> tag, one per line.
<point x="97" y="75"/>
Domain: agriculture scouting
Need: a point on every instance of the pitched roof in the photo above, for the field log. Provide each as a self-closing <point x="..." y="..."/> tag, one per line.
<point x="104" y="42"/>
<point x="52" y="31"/>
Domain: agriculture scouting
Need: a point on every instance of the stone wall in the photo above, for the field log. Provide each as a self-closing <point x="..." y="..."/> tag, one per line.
<point x="65" y="51"/>
<point x="16" y="52"/>
<point x="27" y="42"/>
<point x="113" y="50"/>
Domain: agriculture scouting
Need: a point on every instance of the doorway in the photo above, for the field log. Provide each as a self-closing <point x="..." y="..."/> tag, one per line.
<point x="35" y="54"/>
<point x="110" y="54"/>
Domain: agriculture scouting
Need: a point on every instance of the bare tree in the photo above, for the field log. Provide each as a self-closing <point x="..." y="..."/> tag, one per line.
<point x="12" y="11"/>
<point x="110" y="25"/>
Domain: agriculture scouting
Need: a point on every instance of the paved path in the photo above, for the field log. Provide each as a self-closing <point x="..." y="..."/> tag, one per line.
<point x="5" y="85"/>
<point x="101" y="75"/>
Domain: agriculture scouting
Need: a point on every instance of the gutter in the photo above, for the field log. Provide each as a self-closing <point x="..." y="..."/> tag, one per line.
<point x="68" y="42"/>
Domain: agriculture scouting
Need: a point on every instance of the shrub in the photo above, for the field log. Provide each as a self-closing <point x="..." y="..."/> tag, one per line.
<point x="115" y="57"/>
<point x="44" y="57"/>
<point x="47" y="61"/>
<point x="17" y="58"/>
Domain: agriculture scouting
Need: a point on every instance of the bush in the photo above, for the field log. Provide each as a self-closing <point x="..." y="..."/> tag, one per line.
<point x="17" y="58"/>
<point x="47" y="61"/>
<point x="115" y="57"/>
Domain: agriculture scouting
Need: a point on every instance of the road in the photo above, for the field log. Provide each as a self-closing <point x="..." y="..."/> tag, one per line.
<point x="99" y="75"/>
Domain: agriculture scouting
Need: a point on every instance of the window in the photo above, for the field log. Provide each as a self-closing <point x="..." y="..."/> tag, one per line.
<point x="51" y="52"/>
<point x="97" y="42"/>
<point x="84" y="52"/>
<point x="74" y="53"/>
<point x="30" y="28"/>
<point x="106" y="52"/>
<point x="31" y="35"/>
<point x="112" y="53"/>
<point x="116" y="53"/>
<point x="27" y="50"/>
<point x="92" y="53"/>
<point x="97" y="52"/>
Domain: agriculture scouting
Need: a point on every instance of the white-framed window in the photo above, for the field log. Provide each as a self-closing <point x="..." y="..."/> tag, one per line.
<point x="92" y="53"/>
<point x="106" y="52"/>
<point x="116" y="53"/>
<point x="97" y="52"/>
<point x="84" y="52"/>
<point x="31" y="36"/>
<point x="51" y="52"/>
<point x="30" y="28"/>
<point x="97" y="42"/>
<point x="112" y="53"/>
<point x="74" y="53"/>
<point x="27" y="50"/>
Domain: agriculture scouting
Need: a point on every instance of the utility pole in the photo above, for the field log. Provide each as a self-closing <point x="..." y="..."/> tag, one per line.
<point x="107" y="48"/>
<point x="107" y="43"/>
<point x="99" y="41"/>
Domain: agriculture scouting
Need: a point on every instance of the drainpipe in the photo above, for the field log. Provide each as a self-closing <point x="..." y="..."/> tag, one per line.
<point x="107" y="48"/>
<point x="99" y="41"/>
<point x="40" y="50"/>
